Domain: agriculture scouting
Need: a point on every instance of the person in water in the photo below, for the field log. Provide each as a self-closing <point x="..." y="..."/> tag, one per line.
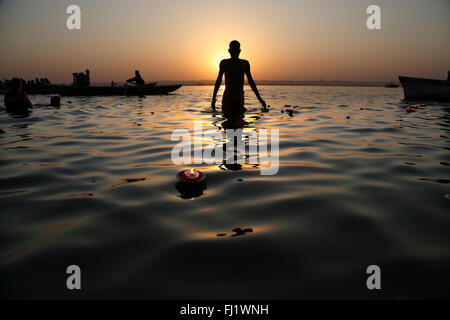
<point x="233" y="96"/>
<point x="16" y="100"/>
<point x="137" y="79"/>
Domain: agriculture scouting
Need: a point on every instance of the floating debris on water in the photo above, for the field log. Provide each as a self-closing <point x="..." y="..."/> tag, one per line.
<point x="414" y="108"/>
<point x="241" y="232"/>
<point x="237" y="232"/>
<point x="126" y="181"/>
<point x="288" y="109"/>
<point x="79" y="195"/>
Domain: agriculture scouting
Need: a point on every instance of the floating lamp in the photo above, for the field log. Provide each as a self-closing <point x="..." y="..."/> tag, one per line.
<point x="190" y="176"/>
<point x="191" y="183"/>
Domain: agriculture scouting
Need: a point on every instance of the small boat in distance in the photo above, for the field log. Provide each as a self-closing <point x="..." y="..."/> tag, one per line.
<point x="425" y="89"/>
<point x="64" y="90"/>
<point x="391" y="85"/>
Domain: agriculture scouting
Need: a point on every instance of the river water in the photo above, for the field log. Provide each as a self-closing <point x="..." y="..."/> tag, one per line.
<point x="363" y="180"/>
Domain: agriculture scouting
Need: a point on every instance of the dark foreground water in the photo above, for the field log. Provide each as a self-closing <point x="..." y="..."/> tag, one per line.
<point x="92" y="184"/>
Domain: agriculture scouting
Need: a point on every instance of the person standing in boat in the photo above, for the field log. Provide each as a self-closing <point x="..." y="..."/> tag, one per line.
<point x="86" y="79"/>
<point x="137" y="79"/>
<point x="233" y="96"/>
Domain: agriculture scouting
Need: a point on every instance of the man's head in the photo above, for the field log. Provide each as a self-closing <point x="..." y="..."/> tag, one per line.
<point x="15" y="84"/>
<point x="136" y="72"/>
<point x="87" y="72"/>
<point x="234" y="49"/>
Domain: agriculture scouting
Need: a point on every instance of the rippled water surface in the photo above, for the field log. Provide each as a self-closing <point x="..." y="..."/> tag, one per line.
<point x="363" y="180"/>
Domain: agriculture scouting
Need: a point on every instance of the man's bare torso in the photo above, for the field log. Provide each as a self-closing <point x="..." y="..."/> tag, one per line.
<point x="234" y="70"/>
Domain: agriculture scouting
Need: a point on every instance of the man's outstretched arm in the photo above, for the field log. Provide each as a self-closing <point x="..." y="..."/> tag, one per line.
<point x="216" y="87"/>
<point x="252" y="84"/>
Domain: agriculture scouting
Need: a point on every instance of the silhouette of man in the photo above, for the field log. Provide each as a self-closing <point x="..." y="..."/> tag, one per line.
<point x="233" y="96"/>
<point x="137" y="79"/>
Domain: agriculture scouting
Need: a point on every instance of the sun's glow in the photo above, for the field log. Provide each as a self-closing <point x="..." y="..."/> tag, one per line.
<point x="216" y="61"/>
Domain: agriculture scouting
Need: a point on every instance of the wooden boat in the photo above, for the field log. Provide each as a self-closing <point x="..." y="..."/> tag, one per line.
<point x="391" y="85"/>
<point x="63" y="90"/>
<point x="425" y="89"/>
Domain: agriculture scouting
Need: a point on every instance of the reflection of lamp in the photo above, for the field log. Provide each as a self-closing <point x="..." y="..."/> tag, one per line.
<point x="191" y="183"/>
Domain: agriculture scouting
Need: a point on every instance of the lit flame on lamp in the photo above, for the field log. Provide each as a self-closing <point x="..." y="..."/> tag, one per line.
<point x="191" y="175"/>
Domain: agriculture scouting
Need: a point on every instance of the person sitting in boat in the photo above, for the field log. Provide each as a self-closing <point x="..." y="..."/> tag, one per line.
<point x="137" y="79"/>
<point x="233" y="96"/>
<point x="16" y="100"/>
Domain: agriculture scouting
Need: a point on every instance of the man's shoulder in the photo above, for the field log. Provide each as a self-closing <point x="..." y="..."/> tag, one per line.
<point x="224" y="61"/>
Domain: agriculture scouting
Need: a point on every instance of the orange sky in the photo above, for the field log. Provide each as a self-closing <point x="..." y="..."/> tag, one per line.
<point x="185" y="40"/>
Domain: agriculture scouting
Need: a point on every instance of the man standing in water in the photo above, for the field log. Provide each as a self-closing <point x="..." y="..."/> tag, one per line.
<point x="233" y="96"/>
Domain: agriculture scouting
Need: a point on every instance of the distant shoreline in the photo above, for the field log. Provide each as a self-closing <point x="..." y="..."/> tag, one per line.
<point x="273" y="83"/>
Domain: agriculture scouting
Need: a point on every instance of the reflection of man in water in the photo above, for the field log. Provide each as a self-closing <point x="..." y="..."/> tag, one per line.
<point x="233" y="96"/>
